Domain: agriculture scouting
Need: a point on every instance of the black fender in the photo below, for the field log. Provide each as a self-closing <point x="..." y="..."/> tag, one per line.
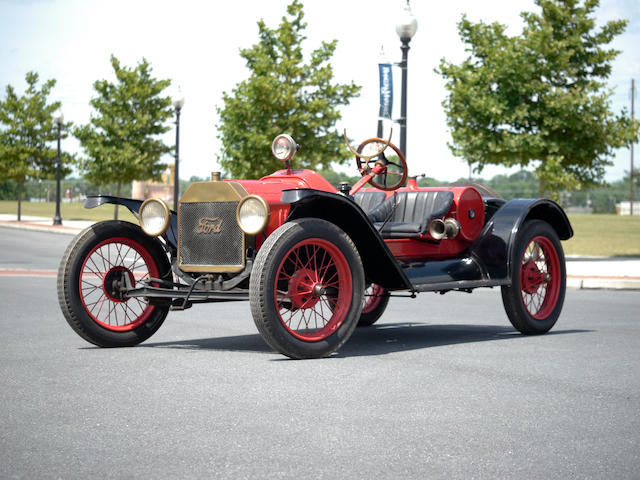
<point x="493" y="248"/>
<point x="133" y="205"/>
<point x="379" y="264"/>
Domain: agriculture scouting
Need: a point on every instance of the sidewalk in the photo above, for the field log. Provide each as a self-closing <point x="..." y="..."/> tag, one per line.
<point x="603" y="272"/>
<point x="68" y="227"/>
<point x="582" y="272"/>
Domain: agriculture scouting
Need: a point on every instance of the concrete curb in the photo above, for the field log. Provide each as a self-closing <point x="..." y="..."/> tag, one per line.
<point x="38" y="227"/>
<point x="603" y="283"/>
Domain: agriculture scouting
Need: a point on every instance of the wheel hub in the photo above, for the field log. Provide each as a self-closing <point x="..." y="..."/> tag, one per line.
<point x="304" y="291"/>
<point x="115" y="282"/>
<point x="532" y="277"/>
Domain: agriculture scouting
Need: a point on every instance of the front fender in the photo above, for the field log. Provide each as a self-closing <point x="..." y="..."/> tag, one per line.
<point x="493" y="248"/>
<point x="133" y="205"/>
<point x="379" y="264"/>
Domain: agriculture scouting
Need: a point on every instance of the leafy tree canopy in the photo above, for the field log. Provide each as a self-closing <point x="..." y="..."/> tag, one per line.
<point x="538" y="98"/>
<point x="283" y="95"/>
<point x="121" y="141"/>
<point x="28" y="133"/>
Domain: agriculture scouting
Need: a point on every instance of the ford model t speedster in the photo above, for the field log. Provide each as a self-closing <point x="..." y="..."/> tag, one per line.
<point x="313" y="262"/>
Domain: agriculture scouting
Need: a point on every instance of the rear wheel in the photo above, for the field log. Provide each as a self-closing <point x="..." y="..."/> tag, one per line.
<point x="375" y="303"/>
<point x="534" y="299"/>
<point x="96" y="266"/>
<point x="306" y="288"/>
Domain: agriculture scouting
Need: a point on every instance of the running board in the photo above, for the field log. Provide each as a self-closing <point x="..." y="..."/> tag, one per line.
<point x="455" y="274"/>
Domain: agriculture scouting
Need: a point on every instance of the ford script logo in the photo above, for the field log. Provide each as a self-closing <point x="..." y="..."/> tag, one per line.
<point x="209" y="225"/>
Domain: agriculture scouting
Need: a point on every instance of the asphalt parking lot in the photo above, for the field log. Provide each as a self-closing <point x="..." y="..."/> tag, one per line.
<point x="442" y="387"/>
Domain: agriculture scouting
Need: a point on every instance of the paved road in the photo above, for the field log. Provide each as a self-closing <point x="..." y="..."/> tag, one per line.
<point x="442" y="387"/>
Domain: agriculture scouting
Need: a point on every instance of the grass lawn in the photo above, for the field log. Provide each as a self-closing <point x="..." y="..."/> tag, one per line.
<point x="602" y="235"/>
<point x="595" y="235"/>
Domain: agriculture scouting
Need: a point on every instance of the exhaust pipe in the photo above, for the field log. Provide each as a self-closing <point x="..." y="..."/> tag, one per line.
<point x="451" y="227"/>
<point x="448" y="228"/>
<point x="437" y="229"/>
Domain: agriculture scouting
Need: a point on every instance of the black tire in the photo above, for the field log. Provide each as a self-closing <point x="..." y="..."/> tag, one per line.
<point x="317" y="270"/>
<point x="98" y="257"/>
<point x="374" y="304"/>
<point x="534" y="299"/>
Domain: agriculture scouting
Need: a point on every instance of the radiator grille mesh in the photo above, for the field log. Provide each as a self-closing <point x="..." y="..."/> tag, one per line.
<point x="210" y="235"/>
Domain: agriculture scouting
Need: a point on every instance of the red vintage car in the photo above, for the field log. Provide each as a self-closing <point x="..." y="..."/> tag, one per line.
<point x="313" y="262"/>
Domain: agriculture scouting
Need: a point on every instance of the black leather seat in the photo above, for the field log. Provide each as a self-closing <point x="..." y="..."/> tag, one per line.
<point x="412" y="213"/>
<point x="367" y="201"/>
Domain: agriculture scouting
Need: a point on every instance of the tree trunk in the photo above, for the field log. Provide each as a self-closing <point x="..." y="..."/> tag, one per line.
<point x="541" y="188"/>
<point x="20" y="185"/>
<point x="115" y="210"/>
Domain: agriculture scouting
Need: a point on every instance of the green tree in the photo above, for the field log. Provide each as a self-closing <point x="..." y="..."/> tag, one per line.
<point x="283" y="95"/>
<point x="27" y="130"/>
<point x="121" y="141"/>
<point x="538" y="98"/>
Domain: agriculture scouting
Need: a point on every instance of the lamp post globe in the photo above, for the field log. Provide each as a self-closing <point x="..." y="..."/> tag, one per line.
<point x="405" y="28"/>
<point x="58" y="117"/>
<point x="178" y="103"/>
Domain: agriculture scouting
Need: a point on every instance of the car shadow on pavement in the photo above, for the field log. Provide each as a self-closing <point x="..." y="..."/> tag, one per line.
<point x="394" y="337"/>
<point x="370" y="341"/>
<point x="237" y="343"/>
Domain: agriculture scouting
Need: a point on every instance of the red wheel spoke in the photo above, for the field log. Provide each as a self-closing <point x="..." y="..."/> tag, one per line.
<point x="97" y="269"/>
<point x="329" y="280"/>
<point x="91" y="287"/>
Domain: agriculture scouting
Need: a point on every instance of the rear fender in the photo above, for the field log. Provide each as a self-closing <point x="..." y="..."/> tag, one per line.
<point x="379" y="264"/>
<point x="493" y="248"/>
<point x="134" y="207"/>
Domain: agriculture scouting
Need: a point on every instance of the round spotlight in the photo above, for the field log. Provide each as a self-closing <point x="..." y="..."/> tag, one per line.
<point x="284" y="147"/>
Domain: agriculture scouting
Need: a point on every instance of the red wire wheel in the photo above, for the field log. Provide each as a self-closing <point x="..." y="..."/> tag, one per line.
<point x="373" y="297"/>
<point x="374" y="305"/>
<point x="110" y="264"/>
<point x="534" y="299"/>
<point x="306" y="288"/>
<point x="313" y="289"/>
<point x="97" y="267"/>
<point x="540" y="277"/>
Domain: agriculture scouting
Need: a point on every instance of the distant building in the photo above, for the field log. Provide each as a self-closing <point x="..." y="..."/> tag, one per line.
<point x="624" y="208"/>
<point x="162" y="189"/>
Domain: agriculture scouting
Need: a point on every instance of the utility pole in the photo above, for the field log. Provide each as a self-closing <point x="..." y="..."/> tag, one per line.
<point x="633" y="94"/>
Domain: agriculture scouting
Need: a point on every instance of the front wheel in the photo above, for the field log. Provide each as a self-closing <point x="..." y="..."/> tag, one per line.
<point x="306" y="288"/>
<point x="534" y="299"/>
<point x="95" y="268"/>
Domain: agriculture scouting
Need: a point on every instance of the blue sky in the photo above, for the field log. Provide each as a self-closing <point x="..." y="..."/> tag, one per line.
<point x="196" y="44"/>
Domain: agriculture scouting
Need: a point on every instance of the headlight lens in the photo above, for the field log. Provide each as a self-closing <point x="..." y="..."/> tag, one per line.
<point x="253" y="214"/>
<point x="283" y="147"/>
<point x="154" y="217"/>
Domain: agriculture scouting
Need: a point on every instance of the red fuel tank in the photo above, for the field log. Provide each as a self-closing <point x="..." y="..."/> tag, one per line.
<point x="468" y="209"/>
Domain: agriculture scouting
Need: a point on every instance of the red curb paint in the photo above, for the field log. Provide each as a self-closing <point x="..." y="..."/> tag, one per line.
<point x="9" y="272"/>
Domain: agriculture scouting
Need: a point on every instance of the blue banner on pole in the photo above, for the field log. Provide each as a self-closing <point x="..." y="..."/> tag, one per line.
<point x="386" y="90"/>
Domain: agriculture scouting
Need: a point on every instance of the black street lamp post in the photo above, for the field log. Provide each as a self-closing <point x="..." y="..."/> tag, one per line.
<point x="178" y="103"/>
<point x="59" y="119"/>
<point x="406" y="29"/>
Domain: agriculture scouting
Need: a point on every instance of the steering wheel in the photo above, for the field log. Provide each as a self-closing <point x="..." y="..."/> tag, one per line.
<point x="394" y="173"/>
